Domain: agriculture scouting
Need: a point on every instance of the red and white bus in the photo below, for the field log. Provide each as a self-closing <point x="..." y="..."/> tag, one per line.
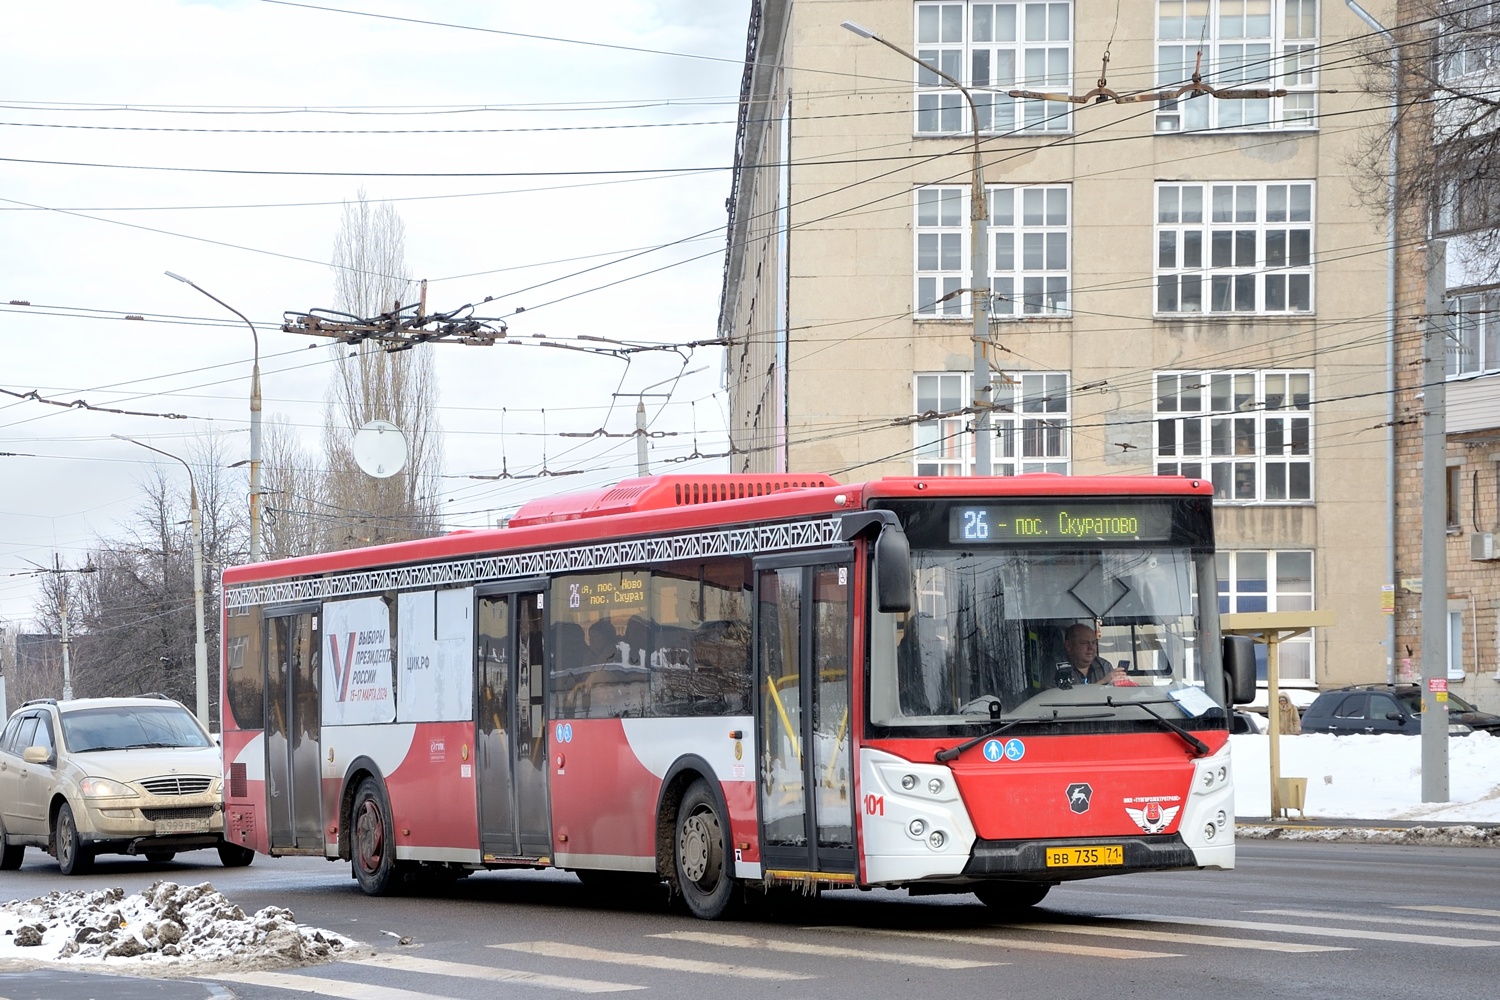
<point x="739" y="682"/>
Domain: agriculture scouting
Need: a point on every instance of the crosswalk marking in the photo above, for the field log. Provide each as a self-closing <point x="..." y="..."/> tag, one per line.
<point x="1457" y="925"/>
<point x="583" y="953"/>
<point x="325" y="987"/>
<point x="1176" y="937"/>
<point x="1467" y="911"/>
<point x="1019" y="944"/>
<point x="829" y="951"/>
<point x="1336" y="932"/>
<point x="473" y="970"/>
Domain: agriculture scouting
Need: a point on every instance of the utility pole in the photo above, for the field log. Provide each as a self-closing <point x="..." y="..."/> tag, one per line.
<point x="1435" y="530"/>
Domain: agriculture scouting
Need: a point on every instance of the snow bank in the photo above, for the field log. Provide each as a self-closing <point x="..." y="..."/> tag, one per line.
<point x="1371" y="777"/>
<point x="170" y="927"/>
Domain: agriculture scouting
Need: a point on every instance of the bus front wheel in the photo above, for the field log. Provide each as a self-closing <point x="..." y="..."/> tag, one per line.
<point x="372" y="844"/>
<point x="701" y="859"/>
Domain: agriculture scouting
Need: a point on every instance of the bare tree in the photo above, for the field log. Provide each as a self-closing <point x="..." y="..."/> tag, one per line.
<point x="374" y="384"/>
<point x="296" y="507"/>
<point x="1445" y="66"/>
<point x="131" y="621"/>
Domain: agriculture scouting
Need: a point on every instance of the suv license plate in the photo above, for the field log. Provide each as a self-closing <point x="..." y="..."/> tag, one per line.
<point x="1085" y="857"/>
<point x="164" y="826"/>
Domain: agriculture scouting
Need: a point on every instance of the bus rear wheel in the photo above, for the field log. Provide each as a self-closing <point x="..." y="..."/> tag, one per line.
<point x="1011" y="897"/>
<point x="701" y="858"/>
<point x="372" y="841"/>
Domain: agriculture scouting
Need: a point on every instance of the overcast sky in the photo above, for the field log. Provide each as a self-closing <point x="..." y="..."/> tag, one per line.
<point x="98" y="98"/>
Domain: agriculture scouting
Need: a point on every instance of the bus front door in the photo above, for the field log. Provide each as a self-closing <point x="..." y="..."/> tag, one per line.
<point x="510" y="741"/>
<point x="803" y="717"/>
<point x="293" y="732"/>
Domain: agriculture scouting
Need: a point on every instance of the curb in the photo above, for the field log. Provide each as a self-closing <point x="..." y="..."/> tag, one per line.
<point x="1371" y="832"/>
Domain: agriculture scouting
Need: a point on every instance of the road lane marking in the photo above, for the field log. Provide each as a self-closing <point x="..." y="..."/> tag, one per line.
<point x="827" y="951"/>
<point x="1052" y="947"/>
<point x="583" y="953"/>
<point x="1175" y="937"/>
<point x="491" y="973"/>
<point x="1335" y="932"/>
<point x="1467" y="911"/>
<point x="326" y="987"/>
<point x="1458" y="925"/>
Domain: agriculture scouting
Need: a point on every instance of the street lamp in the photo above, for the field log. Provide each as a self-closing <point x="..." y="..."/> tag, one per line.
<point x="979" y="294"/>
<point x="200" y="646"/>
<point x="254" y="422"/>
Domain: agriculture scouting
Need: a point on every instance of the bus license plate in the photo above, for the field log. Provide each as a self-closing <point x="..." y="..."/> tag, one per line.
<point x="165" y="826"/>
<point x="1085" y="857"/>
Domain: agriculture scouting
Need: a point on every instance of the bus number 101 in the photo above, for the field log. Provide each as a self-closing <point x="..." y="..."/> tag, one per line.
<point x="875" y="805"/>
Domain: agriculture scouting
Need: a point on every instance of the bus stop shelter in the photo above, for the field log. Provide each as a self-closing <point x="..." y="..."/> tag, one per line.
<point x="1272" y="628"/>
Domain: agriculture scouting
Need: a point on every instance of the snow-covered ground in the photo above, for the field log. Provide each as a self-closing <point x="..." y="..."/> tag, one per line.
<point x="165" y="930"/>
<point x="1370" y="777"/>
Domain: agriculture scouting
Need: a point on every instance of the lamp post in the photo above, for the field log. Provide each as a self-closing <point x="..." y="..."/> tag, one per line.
<point x="200" y="645"/>
<point x="979" y="293"/>
<point x="254" y="421"/>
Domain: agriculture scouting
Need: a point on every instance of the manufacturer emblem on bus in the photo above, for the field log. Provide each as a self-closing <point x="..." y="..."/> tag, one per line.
<point x="1079" y="794"/>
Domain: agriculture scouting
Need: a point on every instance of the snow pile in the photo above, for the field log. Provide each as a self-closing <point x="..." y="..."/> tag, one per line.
<point x="165" y="925"/>
<point x="1371" y="777"/>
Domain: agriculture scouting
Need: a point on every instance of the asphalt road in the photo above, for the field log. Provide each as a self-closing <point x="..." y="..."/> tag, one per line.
<point x="1295" y="919"/>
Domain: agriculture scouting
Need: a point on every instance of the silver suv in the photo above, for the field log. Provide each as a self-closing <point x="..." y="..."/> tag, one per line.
<point x="94" y="776"/>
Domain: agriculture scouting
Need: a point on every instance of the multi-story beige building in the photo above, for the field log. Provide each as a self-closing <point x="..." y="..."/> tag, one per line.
<point x="1188" y="286"/>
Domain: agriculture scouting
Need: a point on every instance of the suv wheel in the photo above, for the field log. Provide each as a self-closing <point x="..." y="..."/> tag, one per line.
<point x="72" y="857"/>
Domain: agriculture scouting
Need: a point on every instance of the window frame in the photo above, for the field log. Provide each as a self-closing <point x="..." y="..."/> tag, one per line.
<point x="1273" y="598"/>
<point x="965" y="57"/>
<point x="1204" y="226"/>
<point x="1289" y="62"/>
<point x="1207" y="428"/>
<point x="1474" y="324"/>
<point x="1031" y="424"/>
<point x="1023" y="229"/>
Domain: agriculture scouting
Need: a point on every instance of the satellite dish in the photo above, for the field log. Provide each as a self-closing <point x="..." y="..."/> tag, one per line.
<point x="380" y="449"/>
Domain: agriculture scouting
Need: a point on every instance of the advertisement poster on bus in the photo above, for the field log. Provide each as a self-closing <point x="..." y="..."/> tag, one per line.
<point x="357" y="662"/>
<point x="436" y="656"/>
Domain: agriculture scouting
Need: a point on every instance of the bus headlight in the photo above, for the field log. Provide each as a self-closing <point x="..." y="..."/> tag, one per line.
<point x="908" y="781"/>
<point x="935" y="786"/>
<point x="1209" y="831"/>
<point x="1221" y="818"/>
<point x="937" y="839"/>
<point x="916" y="828"/>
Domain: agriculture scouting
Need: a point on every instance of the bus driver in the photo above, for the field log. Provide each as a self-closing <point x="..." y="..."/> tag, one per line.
<point x="1081" y="644"/>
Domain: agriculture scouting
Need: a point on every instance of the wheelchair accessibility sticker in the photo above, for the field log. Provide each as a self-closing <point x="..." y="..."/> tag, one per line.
<point x="1011" y="749"/>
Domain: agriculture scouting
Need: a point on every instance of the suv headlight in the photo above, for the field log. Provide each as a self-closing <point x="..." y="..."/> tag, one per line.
<point x="103" y="788"/>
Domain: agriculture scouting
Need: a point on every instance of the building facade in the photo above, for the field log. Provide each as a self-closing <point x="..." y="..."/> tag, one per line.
<point x="1183" y="286"/>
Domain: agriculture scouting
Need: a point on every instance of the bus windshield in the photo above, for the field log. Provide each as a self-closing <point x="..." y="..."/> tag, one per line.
<point x="990" y="633"/>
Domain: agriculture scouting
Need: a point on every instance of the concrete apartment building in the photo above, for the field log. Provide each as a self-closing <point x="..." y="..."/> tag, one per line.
<point x="1189" y="287"/>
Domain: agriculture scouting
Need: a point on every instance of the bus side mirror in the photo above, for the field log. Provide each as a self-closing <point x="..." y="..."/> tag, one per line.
<point x="1239" y="668"/>
<point x="892" y="571"/>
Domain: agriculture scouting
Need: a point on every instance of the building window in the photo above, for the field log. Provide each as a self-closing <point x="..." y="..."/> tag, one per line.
<point x="993" y="48"/>
<point x="1234" y="248"/>
<point x="1251" y="581"/>
<point x="1252" y="44"/>
<point x="1248" y="432"/>
<point x="1030" y="423"/>
<point x="1029" y="251"/>
<point x="1474" y="344"/>
<point x="1455" y="640"/>
<point x="1455" y="495"/>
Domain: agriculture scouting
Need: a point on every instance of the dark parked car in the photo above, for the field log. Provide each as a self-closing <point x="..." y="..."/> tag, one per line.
<point x="1387" y="708"/>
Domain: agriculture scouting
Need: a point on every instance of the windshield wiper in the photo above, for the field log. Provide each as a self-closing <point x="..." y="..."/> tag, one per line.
<point x="943" y="756"/>
<point x="1187" y="737"/>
